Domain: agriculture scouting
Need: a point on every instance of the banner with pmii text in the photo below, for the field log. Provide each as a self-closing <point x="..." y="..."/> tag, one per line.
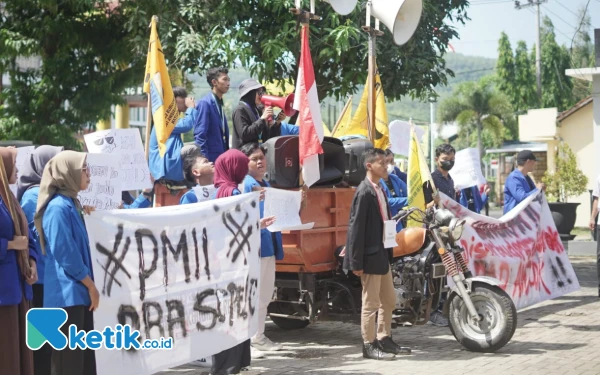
<point x="522" y="249"/>
<point x="188" y="272"/>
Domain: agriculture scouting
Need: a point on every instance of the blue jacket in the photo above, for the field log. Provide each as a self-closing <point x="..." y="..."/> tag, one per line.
<point x="516" y="189"/>
<point x="68" y="259"/>
<point x="29" y="204"/>
<point x="139" y="202"/>
<point x="189" y="198"/>
<point x="478" y="199"/>
<point x="287" y="129"/>
<point x="170" y="167"/>
<point x="401" y="199"/>
<point x="400" y="174"/>
<point x="271" y="243"/>
<point x="12" y="284"/>
<point x="208" y="133"/>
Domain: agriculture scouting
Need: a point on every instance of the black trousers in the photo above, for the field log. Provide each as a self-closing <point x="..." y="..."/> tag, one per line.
<point x="75" y="362"/>
<point x="232" y="360"/>
<point x="41" y="357"/>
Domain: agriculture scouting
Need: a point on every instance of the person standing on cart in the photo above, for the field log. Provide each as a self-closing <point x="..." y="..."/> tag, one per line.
<point x="368" y="258"/>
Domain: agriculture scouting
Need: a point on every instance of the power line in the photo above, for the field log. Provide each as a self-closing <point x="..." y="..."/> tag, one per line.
<point x="490" y="2"/>
<point x="557" y="16"/>
<point x="573" y="13"/>
<point x="580" y="23"/>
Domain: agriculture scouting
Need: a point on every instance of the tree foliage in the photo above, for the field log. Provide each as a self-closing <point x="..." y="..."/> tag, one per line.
<point x="556" y="86"/>
<point x="582" y="54"/>
<point x="568" y="180"/>
<point x="505" y="69"/>
<point x="525" y="85"/>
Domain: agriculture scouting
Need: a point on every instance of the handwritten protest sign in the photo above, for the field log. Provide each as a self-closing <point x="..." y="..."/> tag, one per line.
<point x="467" y="169"/>
<point x="187" y="272"/>
<point x="104" y="192"/>
<point x="23" y="154"/>
<point x="400" y="136"/>
<point x="285" y="206"/>
<point x="522" y="250"/>
<point x="127" y="145"/>
<point x="204" y="193"/>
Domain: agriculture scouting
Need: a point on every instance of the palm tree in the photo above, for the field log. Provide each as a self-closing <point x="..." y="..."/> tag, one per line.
<point x="479" y="105"/>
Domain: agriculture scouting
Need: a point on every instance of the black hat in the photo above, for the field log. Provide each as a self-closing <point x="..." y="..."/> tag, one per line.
<point x="248" y="85"/>
<point x="525" y="155"/>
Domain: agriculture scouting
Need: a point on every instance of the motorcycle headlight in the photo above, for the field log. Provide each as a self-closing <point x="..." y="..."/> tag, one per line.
<point x="456" y="229"/>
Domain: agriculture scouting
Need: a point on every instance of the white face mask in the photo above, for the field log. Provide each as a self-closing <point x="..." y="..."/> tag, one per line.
<point x="390" y="168"/>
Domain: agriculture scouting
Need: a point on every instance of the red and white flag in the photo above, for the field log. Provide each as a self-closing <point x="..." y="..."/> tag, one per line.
<point x="306" y="102"/>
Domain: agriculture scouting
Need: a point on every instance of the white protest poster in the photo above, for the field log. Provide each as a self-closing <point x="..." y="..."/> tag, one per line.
<point x="203" y="193"/>
<point x="23" y="154"/>
<point x="189" y="272"/>
<point x="285" y="206"/>
<point x="127" y="145"/>
<point x="467" y="169"/>
<point x="104" y="192"/>
<point x="522" y="250"/>
<point x="400" y="136"/>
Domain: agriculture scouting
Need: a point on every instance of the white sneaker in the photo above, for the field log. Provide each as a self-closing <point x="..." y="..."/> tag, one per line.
<point x="256" y="354"/>
<point x="263" y="343"/>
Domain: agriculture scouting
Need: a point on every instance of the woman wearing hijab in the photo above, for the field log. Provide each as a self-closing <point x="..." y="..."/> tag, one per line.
<point x="68" y="282"/>
<point x="18" y="271"/>
<point x="250" y="123"/>
<point x="230" y="170"/>
<point x="28" y="187"/>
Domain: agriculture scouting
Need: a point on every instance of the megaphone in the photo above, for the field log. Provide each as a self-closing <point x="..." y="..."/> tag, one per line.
<point x="400" y="16"/>
<point x="285" y="103"/>
<point x="342" y="7"/>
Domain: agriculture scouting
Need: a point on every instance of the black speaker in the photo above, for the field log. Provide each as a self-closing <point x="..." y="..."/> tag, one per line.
<point x="355" y="168"/>
<point x="283" y="161"/>
<point x="332" y="162"/>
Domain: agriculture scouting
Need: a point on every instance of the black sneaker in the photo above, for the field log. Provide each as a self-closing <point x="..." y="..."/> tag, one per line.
<point x="373" y="351"/>
<point x="389" y="346"/>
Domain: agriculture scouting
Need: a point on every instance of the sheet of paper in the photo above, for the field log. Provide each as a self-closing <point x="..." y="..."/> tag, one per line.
<point x="104" y="192"/>
<point x="389" y="232"/>
<point x="400" y="136"/>
<point x="467" y="169"/>
<point x="285" y="206"/>
<point x="127" y="145"/>
<point x="203" y="193"/>
<point x="23" y="154"/>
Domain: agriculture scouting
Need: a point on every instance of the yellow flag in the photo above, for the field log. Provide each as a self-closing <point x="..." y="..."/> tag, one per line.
<point x="360" y="122"/>
<point x="344" y="120"/>
<point x="418" y="174"/>
<point x="158" y="85"/>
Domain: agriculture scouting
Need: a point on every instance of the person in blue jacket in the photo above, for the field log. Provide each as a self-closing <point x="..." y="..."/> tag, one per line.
<point x="28" y="187"/>
<point x="397" y="194"/>
<point x="211" y="132"/>
<point x="69" y="279"/>
<point x="198" y="171"/>
<point x="289" y="129"/>
<point x="392" y="168"/>
<point x="168" y="167"/>
<point x="18" y="257"/>
<point x="519" y="185"/>
<point x="472" y="199"/>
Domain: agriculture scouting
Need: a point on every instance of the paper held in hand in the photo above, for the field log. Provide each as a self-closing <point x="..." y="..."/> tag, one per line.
<point x="285" y="206"/>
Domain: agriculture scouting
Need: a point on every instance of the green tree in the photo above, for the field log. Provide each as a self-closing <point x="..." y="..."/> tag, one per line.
<point x="582" y="55"/>
<point x="478" y="106"/>
<point x="86" y="64"/>
<point x="568" y="180"/>
<point x="505" y="69"/>
<point x="557" y="88"/>
<point x="525" y="85"/>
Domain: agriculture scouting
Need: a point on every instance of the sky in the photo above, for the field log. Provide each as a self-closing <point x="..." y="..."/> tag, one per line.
<point x="479" y="36"/>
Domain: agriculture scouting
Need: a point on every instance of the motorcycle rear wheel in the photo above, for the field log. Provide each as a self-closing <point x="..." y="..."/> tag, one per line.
<point x="498" y="324"/>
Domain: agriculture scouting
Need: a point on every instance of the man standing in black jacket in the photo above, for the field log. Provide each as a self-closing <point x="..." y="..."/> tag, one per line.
<point x="367" y="257"/>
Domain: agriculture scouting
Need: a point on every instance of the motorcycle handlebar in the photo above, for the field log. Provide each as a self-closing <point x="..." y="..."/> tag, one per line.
<point x="403" y="214"/>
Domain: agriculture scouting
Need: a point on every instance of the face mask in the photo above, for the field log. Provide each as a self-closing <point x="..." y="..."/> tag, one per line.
<point x="447" y="165"/>
<point x="390" y="169"/>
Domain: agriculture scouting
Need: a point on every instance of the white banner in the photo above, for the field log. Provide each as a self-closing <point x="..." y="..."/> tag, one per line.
<point x="104" y="192"/>
<point x="189" y="272"/>
<point x="522" y="250"/>
<point x="400" y="136"/>
<point x="127" y="144"/>
<point x="467" y="169"/>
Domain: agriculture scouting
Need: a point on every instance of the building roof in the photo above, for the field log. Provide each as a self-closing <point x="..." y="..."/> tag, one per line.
<point x="582" y="103"/>
<point x="510" y="147"/>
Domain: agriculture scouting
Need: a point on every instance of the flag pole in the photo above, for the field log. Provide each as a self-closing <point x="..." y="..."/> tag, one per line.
<point x="373" y="34"/>
<point x="148" y="128"/>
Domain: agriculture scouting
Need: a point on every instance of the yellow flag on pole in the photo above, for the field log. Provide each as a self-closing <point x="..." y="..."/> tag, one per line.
<point x="418" y="174"/>
<point x="359" y="124"/>
<point x="158" y="85"/>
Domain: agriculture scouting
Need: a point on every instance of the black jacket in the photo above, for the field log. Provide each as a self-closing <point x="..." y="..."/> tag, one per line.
<point x="364" y="241"/>
<point x="248" y="126"/>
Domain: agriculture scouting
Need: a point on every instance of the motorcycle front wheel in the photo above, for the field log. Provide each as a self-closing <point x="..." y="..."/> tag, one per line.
<point x="498" y="319"/>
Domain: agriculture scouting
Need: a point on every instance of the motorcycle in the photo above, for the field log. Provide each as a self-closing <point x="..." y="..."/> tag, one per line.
<point x="481" y="315"/>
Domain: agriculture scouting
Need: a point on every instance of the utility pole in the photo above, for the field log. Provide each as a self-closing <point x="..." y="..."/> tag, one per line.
<point x="538" y="45"/>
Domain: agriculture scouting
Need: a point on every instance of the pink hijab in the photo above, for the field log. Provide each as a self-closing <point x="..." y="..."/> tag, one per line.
<point x="230" y="169"/>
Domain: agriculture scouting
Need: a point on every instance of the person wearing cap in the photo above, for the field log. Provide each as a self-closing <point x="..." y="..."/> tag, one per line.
<point x="211" y="131"/>
<point x="252" y="123"/>
<point x="519" y="185"/>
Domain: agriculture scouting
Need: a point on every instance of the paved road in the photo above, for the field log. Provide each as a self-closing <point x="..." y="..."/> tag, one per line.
<point x="561" y="336"/>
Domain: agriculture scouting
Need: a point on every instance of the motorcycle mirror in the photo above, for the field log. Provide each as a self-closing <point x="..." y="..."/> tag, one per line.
<point x="443" y="216"/>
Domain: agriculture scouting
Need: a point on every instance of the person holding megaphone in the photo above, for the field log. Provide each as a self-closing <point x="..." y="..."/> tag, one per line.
<point x="253" y="122"/>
